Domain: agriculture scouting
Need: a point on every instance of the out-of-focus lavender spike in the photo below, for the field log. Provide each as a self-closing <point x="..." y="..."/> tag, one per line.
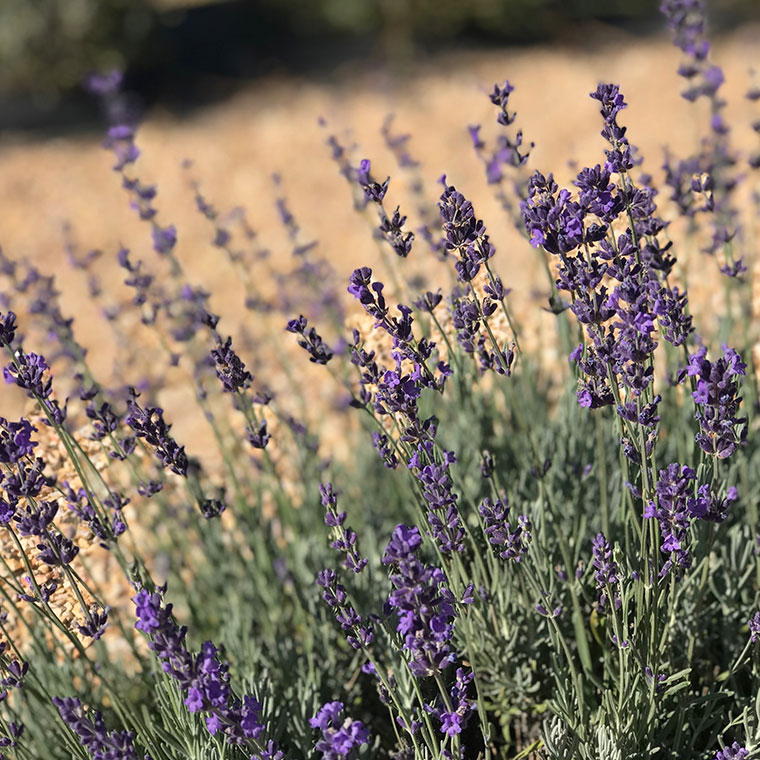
<point x="505" y="161"/>
<point x="430" y="230"/>
<point x="319" y="292"/>
<point x="342" y="157"/>
<point x="716" y="160"/>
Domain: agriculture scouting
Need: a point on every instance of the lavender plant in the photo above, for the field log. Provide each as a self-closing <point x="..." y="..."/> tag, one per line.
<point x="517" y="562"/>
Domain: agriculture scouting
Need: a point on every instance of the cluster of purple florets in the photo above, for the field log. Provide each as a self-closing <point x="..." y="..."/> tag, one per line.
<point x="438" y="491"/>
<point x="230" y="369"/>
<point x="717" y="399"/>
<point x="606" y="575"/>
<point x="310" y="340"/>
<point x="734" y="751"/>
<point x="30" y="372"/>
<point x="425" y="609"/>
<point x="396" y="393"/>
<point x="391" y="228"/>
<point x="346" y="537"/>
<point x="22" y="485"/>
<point x="508" y="539"/>
<point x="465" y="236"/>
<point x="202" y="677"/>
<point x="359" y="633"/>
<point x="148" y="423"/>
<point x="93" y="734"/>
<point x="619" y="322"/>
<point x="455" y="716"/>
<point x="704" y="182"/>
<point x="675" y="489"/>
<point x="423" y="602"/>
<point x="678" y="502"/>
<point x="340" y="736"/>
<point x="754" y="627"/>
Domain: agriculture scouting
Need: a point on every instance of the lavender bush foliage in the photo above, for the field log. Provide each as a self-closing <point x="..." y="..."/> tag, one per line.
<point x="517" y="564"/>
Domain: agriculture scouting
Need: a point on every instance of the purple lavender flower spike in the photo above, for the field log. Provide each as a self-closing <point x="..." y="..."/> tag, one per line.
<point x="506" y="156"/>
<point x="27" y="481"/>
<point x="391" y="229"/>
<point x="358" y="633"/>
<point x="733" y="752"/>
<point x="428" y="301"/>
<point x="14" y="672"/>
<point x="15" y="732"/>
<point x="465" y="233"/>
<point x="120" y="140"/>
<point x="56" y="549"/>
<point x="310" y="340"/>
<point x="258" y="437"/>
<point x="36" y="518"/>
<point x="7" y="328"/>
<point x="29" y="374"/>
<point x="453" y="721"/>
<point x="717" y="400"/>
<point x="674" y="491"/>
<point x="203" y="678"/>
<point x="438" y="491"/>
<point x="510" y="544"/>
<point x="381" y="443"/>
<point x="93" y="734"/>
<point x="346" y="538"/>
<point x="713" y="167"/>
<point x="754" y="627"/>
<point x="606" y="573"/>
<point x="423" y="602"/>
<point x="164" y="238"/>
<point x="270" y="752"/>
<point x="96" y="626"/>
<point x="16" y="440"/>
<point x="340" y="736"/>
<point x="149" y="424"/>
<point x="373" y="190"/>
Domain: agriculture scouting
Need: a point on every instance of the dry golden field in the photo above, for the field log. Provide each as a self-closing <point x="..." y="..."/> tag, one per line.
<point x="272" y="127"/>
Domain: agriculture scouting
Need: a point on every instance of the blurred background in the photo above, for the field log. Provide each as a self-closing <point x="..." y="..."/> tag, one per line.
<point x="239" y="88"/>
<point x="186" y="53"/>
